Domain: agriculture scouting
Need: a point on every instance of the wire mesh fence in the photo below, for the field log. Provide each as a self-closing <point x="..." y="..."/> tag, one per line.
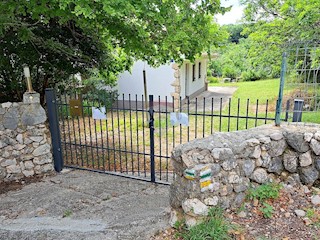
<point x="303" y="81"/>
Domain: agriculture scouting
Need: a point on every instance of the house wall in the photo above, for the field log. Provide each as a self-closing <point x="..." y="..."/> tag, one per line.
<point x="158" y="81"/>
<point x="192" y="87"/>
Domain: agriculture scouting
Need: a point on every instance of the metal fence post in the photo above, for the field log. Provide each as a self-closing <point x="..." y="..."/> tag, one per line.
<point x="151" y="127"/>
<point x="280" y="96"/>
<point x="54" y="128"/>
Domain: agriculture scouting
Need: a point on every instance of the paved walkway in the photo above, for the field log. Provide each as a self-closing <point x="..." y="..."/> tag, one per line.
<point x="215" y="93"/>
<point x="84" y="205"/>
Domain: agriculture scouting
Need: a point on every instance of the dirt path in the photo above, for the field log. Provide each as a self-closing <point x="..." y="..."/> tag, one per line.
<point x="84" y="205"/>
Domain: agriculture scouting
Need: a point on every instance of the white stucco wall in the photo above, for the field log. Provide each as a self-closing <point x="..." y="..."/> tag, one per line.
<point x="188" y="86"/>
<point x="158" y="81"/>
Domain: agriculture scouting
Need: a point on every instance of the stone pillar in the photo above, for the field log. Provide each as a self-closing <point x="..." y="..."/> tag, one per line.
<point x="177" y="86"/>
<point x="25" y="148"/>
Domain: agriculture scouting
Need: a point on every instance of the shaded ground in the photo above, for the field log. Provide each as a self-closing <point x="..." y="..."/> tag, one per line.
<point x="284" y="223"/>
<point x="84" y="205"/>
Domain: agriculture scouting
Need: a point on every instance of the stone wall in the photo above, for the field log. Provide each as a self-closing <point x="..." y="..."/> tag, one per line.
<point x="219" y="169"/>
<point x="25" y="148"/>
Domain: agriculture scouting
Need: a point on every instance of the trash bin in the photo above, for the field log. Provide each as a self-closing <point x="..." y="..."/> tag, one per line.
<point x="297" y="110"/>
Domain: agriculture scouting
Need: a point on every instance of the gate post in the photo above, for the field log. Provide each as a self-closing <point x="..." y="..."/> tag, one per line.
<point x="280" y="96"/>
<point x="151" y="127"/>
<point x="54" y="128"/>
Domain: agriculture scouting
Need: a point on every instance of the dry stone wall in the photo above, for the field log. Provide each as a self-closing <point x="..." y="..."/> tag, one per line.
<point x="25" y="148"/>
<point x="217" y="171"/>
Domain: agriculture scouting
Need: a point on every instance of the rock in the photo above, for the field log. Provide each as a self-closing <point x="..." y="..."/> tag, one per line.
<point x="37" y="139"/>
<point x="13" y="169"/>
<point x="287" y="214"/>
<point x="300" y="213"/>
<point x="233" y="178"/>
<point x="305" y="189"/>
<point x="11" y="118"/>
<point x="229" y="165"/>
<point x="238" y="200"/>
<point x="276" y="165"/>
<point x="252" y="142"/>
<point x="28" y="173"/>
<point x="259" y="175"/>
<point x="242" y="214"/>
<point x="315" y="146"/>
<point x="33" y="114"/>
<point x="317" y="135"/>
<point x="315" y="200"/>
<point x="276" y="136"/>
<point x="19" y="138"/>
<point x="256" y="152"/>
<point x="9" y="162"/>
<point x="305" y="159"/>
<point x="265" y="140"/>
<point x="259" y="162"/>
<point x="215" y="169"/>
<point x="28" y="165"/>
<point x="6" y="105"/>
<point x="194" y="207"/>
<point x="190" y="221"/>
<point x="222" y="154"/>
<point x="307" y="221"/>
<point x="317" y="163"/>
<point x="173" y="218"/>
<point x="240" y="188"/>
<point x="308" y="175"/>
<point x="188" y="162"/>
<point x="19" y="146"/>
<point x="248" y="167"/>
<point x="277" y="148"/>
<point x="308" y="136"/>
<point x="3" y="143"/>
<point x="224" y="191"/>
<point x="25" y="157"/>
<point x="41" y="150"/>
<point x="212" y="201"/>
<point x="296" y="141"/>
<point x="290" y="161"/>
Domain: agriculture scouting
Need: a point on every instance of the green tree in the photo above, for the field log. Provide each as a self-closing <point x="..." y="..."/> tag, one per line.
<point x="58" y="38"/>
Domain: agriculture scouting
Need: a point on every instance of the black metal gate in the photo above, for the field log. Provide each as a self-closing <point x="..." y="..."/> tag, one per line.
<point x="136" y="138"/>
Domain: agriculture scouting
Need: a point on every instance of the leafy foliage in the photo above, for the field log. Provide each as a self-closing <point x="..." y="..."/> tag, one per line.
<point x="265" y="191"/>
<point x="267" y="210"/>
<point x="59" y="38"/>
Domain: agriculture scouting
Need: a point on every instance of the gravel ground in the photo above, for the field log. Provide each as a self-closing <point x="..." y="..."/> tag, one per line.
<point x="286" y="222"/>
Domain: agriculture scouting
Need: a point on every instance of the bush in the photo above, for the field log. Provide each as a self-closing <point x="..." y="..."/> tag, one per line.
<point x="213" y="79"/>
<point x="250" y="75"/>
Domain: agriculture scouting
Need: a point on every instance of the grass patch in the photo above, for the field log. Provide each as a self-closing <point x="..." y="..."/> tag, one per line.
<point x="214" y="226"/>
<point x="262" y="90"/>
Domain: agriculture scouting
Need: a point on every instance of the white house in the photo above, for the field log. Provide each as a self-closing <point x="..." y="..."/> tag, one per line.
<point x="171" y="80"/>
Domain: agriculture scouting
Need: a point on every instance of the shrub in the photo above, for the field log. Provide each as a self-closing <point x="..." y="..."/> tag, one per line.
<point x="213" y="79"/>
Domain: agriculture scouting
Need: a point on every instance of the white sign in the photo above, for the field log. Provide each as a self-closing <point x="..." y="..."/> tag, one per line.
<point x="99" y="113"/>
<point x="177" y="118"/>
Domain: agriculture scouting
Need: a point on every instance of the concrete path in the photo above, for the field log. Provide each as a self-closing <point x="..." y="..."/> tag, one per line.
<point x="84" y="205"/>
<point x="218" y="94"/>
